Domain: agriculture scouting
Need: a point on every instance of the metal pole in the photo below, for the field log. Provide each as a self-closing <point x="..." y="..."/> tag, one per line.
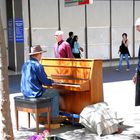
<point x="86" y="38"/>
<point x="133" y="28"/>
<point x="110" y="30"/>
<point x="30" y="26"/>
<point x="59" y="27"/>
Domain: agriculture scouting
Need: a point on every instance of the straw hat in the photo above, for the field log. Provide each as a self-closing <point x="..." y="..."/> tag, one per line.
<point x="36" y="49"/>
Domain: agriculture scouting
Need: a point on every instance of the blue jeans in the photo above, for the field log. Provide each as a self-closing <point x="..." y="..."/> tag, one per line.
<point x="121" y="59"/>
<point x="54" y="94"/>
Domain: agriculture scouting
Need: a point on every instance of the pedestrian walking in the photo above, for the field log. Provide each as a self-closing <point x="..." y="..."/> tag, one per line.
<point x="62" y="48"/>
<point x="124" y="52"/>
<point x="76" y="48"/>
<point x="69" y="39"/>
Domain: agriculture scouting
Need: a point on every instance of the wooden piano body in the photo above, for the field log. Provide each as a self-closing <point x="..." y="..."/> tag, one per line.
<point x="80" y="82"/>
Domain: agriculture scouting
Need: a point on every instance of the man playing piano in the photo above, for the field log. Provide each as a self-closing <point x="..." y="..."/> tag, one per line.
<point x="32" y="80"/>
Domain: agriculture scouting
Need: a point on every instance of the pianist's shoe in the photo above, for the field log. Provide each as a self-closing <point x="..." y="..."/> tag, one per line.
<point x="59" y="119"/>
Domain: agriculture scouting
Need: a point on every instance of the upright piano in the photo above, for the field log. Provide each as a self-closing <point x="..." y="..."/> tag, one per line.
<point x="79" y="81"/>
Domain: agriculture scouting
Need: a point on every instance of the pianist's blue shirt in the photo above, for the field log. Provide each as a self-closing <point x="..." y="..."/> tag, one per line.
<point x="32" y="79"/>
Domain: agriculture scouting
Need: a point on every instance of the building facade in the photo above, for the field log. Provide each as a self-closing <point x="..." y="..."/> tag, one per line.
<point x="98" y="25"/>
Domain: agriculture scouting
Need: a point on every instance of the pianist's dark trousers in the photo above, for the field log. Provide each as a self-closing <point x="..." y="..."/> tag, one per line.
<point x="54" y="94"/>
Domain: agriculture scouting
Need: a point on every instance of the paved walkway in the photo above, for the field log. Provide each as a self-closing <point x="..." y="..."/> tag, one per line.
<point x="119" y="93"/>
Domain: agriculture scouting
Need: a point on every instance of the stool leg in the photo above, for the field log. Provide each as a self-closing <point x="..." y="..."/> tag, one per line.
<point x="28" y="120"/>
<point x="16" y="115"/>
<point x="37" y="122"/>
<point x="49" y="118"/>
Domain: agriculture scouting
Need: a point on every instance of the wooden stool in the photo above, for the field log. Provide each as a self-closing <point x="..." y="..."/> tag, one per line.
<point x="33" y="105"/>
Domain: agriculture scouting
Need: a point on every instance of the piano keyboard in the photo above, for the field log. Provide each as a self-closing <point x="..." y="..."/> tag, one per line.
<point x="66" y="84"/>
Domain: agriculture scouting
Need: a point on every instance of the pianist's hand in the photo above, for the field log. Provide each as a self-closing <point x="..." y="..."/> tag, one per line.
<point x="56" y="83"/>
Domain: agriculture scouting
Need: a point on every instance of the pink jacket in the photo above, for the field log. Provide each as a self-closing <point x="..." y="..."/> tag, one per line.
<point x="63" y="50"/>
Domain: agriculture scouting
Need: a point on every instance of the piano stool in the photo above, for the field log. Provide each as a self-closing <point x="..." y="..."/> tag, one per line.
<point x="33" y="105"/>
